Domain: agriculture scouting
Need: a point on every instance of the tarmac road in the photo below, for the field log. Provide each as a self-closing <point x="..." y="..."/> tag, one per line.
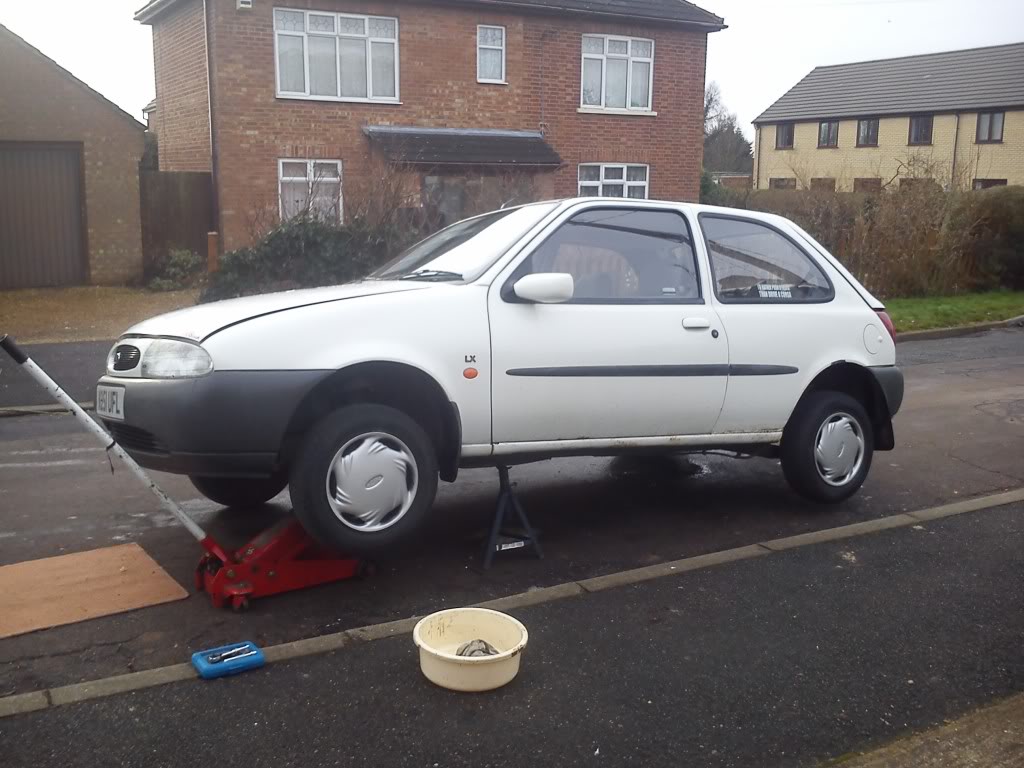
<point x="960" y="434"/>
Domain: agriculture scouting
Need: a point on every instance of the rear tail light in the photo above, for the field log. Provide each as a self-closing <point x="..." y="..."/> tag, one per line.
<point x="887" y="322"/>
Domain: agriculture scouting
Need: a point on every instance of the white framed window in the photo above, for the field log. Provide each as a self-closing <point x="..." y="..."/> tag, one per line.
<point x="335" y="56"/>
<point x="490" y="54"/>
<point x="310" y="188"/>
<point x="617" y="73"/>
<point x="614" y="180"/>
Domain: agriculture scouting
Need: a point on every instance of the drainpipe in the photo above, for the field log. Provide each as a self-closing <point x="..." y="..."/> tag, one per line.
<point x="757" y="153"/>
<point x="215" y="192"/>
<point x="956" y="140"/>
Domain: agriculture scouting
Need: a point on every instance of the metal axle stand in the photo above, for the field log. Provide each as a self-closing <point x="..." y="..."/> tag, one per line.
<point x="508" y="504"/>
<point x="281" y="559"/>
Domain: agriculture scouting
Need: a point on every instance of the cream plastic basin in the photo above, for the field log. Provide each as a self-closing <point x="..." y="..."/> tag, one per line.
<point x="439" y="635"/>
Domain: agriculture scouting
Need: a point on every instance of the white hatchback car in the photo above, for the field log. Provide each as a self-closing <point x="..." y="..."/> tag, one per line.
<point x="575" y="327"/>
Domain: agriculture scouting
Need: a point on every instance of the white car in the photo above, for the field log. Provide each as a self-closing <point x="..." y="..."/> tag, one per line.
<point x="574" y="327"/>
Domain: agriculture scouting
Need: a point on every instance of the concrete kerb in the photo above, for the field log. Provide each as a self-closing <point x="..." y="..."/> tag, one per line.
<point x="958" y="330"/>
<point x="23" y="703"/>
<point x="38" y="700"/>
<point x="10" y="411"/>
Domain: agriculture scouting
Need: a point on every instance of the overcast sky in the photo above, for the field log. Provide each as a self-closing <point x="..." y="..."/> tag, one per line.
<point x="769" y="46"/>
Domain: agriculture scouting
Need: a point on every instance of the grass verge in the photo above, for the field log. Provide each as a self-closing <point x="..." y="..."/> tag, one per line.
<point x="947" y="311"/>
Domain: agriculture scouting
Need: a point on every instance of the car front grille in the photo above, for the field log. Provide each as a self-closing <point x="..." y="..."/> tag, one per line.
<point x="135" y="439"/>
<point x="126" y="357"/>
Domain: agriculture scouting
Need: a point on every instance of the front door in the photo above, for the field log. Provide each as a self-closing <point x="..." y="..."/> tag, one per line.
<point x="636" y="352"/>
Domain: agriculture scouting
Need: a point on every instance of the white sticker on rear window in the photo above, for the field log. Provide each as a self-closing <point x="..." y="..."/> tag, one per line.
<point x="774" y="291"/>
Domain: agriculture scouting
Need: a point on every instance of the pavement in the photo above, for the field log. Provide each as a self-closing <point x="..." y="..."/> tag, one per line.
<point x="959" y="436"/>
<point x="991" y="737"/>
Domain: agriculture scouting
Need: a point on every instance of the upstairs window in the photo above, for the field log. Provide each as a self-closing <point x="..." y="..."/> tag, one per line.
<point x="618" y="73"/>
<point x="784" y="136"/>
<point x="613" y="180"/>
<point x="828" y="134"/>
<point x="310" y="188"/>
<point x="920" y="130"/>
<point x="867" y="132"/>
<point x="336" y="56"/>
<point x="990" y="128"/>
<point x="490" y="54"/>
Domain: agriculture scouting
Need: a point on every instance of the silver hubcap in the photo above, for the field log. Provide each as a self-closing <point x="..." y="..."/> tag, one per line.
<point x="372" y="482"/>
<point x="839" y="449"/>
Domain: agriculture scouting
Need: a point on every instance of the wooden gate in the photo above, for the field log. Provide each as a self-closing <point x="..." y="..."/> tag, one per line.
<point x="177" y="212"/>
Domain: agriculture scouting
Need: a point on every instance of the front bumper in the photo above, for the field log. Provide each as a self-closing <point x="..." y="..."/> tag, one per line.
<point x="230" y="423"/>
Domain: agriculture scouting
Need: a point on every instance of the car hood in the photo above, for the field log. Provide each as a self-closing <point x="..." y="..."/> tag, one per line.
<point x="200" y="322"/>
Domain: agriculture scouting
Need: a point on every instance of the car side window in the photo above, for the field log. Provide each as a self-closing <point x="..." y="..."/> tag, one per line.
<point x="754" y="262"/>
<point x="621" y="256"/>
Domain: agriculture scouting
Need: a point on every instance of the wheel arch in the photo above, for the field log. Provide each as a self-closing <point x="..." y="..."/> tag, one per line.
<point x="395" y="384"/>
<point x="858" y="382"/>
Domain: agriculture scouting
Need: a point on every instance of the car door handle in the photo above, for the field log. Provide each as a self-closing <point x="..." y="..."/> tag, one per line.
<point x="696" y="323"/>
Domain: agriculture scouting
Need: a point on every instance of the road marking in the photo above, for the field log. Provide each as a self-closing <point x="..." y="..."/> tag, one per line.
<point x="39" y="464"/>
<point x="55" y="449"/>
<point x="109" y="686"/>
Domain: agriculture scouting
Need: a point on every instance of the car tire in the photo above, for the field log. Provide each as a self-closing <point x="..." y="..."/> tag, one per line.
<point x="827" y="446"/>
<point x="364" y="480"/>
<point x="239" y="491"/>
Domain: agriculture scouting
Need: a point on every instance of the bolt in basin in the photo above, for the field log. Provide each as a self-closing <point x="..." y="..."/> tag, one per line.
<point x="439" y="636"/>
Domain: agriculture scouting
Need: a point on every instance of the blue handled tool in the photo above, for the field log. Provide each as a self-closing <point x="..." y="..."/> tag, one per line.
<point x="227" y="660"/>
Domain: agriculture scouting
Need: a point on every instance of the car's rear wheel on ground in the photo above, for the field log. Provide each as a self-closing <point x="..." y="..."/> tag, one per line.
<point x="827" y="446"/>
<point x="239" y="491"/>
<point x="364" y="479"/>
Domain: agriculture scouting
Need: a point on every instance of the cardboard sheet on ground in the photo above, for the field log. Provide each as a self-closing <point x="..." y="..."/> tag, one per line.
<point x="62" y="590"/>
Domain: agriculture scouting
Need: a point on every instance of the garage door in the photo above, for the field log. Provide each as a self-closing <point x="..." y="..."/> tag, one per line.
<point x="41" y="216"/>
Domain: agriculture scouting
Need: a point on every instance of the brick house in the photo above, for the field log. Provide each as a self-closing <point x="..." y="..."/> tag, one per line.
<point x="303" y="97"/>
<point x="956" y="117"/>
<point x="69" y="177"/>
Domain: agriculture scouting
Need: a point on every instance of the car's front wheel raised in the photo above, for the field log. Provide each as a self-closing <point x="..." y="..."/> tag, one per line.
<point x="239" y="491"/>
<point x="827" y="446"/>
<point x="364" y="479"/>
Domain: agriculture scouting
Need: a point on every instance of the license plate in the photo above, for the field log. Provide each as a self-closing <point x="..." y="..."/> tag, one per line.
<point x="110" y="402"/>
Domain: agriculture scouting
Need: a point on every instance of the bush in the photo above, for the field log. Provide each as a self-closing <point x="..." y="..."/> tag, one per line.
<point x="181" y="269"/>
<point x="917" y="241"/>
<point x="300" y="253"/>
<point x="717" y="194"/>
<point x="992" y="223"/>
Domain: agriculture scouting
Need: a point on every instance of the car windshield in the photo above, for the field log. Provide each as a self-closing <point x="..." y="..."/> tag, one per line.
<point x="463" y="251"/>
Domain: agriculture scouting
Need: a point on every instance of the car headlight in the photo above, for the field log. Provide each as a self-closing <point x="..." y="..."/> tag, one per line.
<point x="172" y="359"/>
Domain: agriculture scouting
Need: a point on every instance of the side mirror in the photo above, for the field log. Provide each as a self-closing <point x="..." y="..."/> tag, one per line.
<point x="545" y="287"/>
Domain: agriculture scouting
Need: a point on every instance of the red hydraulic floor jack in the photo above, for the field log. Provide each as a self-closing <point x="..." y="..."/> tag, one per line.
<point x="281" y="559"/>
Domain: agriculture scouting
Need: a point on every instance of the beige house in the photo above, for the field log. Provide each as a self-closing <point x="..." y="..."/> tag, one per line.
<point x="955" y="117"/>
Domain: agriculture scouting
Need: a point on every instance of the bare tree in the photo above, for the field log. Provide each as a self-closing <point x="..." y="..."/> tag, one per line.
<point x="714" y="108"/>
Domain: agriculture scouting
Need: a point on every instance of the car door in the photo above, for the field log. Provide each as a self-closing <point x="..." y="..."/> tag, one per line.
<point x="635" y="353"/>
<point x="781" y="313"/>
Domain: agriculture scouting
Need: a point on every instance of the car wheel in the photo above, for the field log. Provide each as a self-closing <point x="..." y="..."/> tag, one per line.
<point x="827" y="446"/>
<point x="364" y="479"/>
<point x="239" y="491"/>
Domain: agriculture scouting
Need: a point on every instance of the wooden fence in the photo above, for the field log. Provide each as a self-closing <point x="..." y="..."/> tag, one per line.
<point x="177" y="212"/>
